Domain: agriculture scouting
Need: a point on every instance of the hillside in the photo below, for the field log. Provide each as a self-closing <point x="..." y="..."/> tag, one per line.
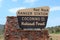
<point x="1" y="26"/>
<point x="54" y="29"/>
<point x="54" y="32"/>
<point x="1" y="29"/>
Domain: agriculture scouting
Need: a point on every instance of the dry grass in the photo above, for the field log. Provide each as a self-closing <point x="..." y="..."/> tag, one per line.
<point x="1" y="37"/>
<point x="55" y="36"/>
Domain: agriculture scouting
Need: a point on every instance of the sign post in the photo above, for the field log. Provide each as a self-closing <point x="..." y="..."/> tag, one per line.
<point x="27" y="18"/>
<point x="33" y="17"/>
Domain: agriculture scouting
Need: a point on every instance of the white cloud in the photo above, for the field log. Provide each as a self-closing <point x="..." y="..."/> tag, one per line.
<point x="1" y="2"/>
<point x="14" y="0"/>
<point x="56" y="8"/>
<point x="30" y="1"/>
<point x="14" y="10"/>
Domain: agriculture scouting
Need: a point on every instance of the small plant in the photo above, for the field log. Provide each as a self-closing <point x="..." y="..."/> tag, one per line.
<point x="50" y="38"/>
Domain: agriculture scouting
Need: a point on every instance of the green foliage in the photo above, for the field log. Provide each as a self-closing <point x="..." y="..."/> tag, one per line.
<point x="50" y="38"/>
<point x="1" y="29"/>
<point x="55" y="29"/>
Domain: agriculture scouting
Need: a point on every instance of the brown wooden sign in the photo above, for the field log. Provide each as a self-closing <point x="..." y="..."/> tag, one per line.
<point x="33" y="17"/>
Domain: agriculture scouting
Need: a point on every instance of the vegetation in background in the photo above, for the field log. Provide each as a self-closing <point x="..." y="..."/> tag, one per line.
<point x="1" y="29"/>
<point x="51" y="30"/>
<point x="55" y="29"/>
<point x="1" y="32"/>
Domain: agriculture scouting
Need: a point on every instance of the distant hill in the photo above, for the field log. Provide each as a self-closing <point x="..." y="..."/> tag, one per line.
<point x="1" y="26"/>
<point x="54" y="29"/>
<point x="1" y="29"/>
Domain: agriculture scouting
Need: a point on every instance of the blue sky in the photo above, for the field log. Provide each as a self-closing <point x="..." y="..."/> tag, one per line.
<point x="9" y="8"/>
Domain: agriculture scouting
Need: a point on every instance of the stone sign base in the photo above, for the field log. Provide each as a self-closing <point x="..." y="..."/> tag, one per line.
<point x="27" y="35"/>
<point x="13" y="32"/>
